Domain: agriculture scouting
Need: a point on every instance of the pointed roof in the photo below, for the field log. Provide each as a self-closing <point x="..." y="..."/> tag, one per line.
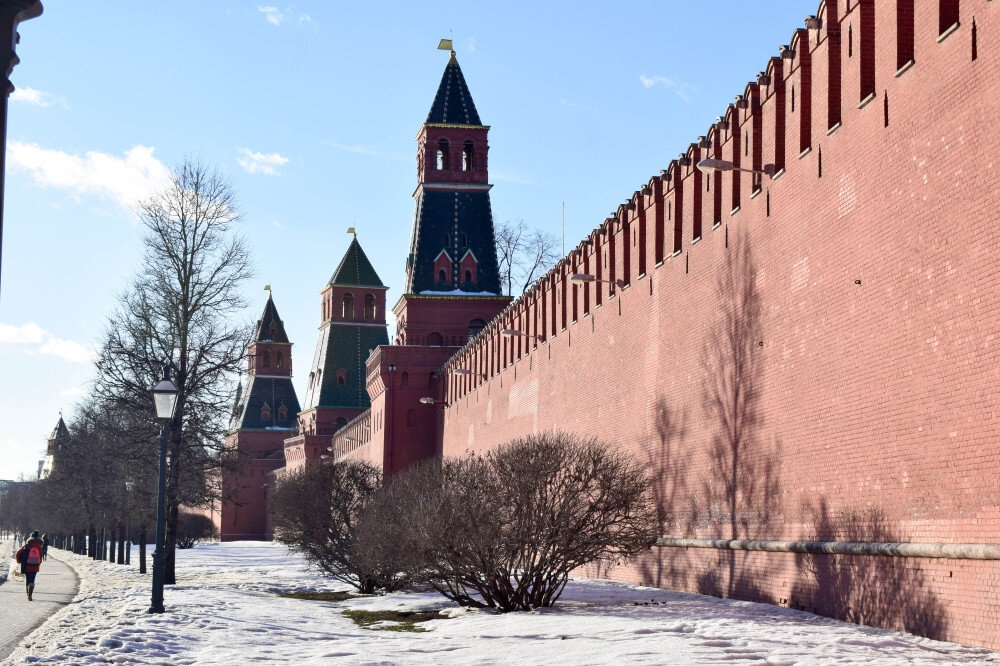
<point x="60" y="430"/>
<point x="453" y="103"/>
<point x="269" y="326"/>
<point x="355" y="269"/>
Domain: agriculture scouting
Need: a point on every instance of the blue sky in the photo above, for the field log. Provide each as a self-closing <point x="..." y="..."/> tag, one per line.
<point x="311" y="109"/>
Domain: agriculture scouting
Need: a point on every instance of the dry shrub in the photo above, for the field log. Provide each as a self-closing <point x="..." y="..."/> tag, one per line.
<point x="316" y="512"/>
<point x="505" y="530"/>
<point x="192" y="528"/>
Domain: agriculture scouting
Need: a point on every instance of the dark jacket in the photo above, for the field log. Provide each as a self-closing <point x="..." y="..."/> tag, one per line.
<point x="22" y="555"/>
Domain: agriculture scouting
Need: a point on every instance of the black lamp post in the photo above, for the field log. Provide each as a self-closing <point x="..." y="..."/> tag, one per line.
<point x="165" y="399"/>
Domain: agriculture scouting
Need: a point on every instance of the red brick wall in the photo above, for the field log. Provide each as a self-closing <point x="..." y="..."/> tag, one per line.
<point x="869" y="388"/>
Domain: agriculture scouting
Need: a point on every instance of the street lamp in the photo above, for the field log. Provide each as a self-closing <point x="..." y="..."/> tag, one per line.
<point x="516" y="333"/>
<point x="431" y="401"/>
<point x="585" y="277"/>
<point x="165" y="400"/>
<point x="466" y="371"/>
<point x="710" y="165"/>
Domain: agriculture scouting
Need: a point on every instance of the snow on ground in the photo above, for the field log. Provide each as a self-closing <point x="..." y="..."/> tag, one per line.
<point x="225" y="610"/>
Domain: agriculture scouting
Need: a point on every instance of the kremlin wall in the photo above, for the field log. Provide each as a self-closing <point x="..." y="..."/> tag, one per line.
<point x="808" y="356"/>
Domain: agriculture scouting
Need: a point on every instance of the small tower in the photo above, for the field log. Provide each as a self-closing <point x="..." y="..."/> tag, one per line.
<point x="352" y="325"/>
<point x="452" y="273"/>
<point x="55" y="442"/>
<point x="263" y="416"/>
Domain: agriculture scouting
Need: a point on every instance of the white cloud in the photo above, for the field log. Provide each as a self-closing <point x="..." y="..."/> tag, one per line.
<point x="470" y="45"/>
<point x="125" y="179"/>
<point x="305" y="18"/>
<point x="679" y="88"/>
<point x="277" y="224"/>
<point x="37" y="97"/>
<point x="260" y="162"/>
<point x="273" y="14"/>
<point x="33" y="339"/>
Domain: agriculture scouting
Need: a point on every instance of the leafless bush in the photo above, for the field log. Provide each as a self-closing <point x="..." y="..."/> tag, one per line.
<point x="505" y="530"/>
<point x="316" y="512"/>
<point x="192" y="528"/>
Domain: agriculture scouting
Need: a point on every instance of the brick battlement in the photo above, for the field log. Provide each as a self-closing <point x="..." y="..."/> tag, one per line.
<point x="808" y="356"/>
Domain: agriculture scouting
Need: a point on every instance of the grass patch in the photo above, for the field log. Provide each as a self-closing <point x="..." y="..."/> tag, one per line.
<point x="320" y="596"/>
<point x="405" y="620"/>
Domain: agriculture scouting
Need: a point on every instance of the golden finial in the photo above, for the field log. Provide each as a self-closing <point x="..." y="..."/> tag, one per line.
<point x="351" y="230"/>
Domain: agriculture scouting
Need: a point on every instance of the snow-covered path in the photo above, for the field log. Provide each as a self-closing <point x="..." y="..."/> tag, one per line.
<point x="225" y="610"/>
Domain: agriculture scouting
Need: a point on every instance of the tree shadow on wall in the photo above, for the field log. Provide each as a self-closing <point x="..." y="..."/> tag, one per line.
<point x="742" y="486"/>
<point x="668" y="463"/>
<point x="878" y="591"/>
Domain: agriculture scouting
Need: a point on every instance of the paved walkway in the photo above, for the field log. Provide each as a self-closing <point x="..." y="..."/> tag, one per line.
<point x="55" y="586"/>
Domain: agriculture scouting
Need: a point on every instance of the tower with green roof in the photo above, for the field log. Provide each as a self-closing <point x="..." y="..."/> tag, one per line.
<point x="452" y="273"/>
<point x="263" y="416"/>
<point x="352" y="325"/>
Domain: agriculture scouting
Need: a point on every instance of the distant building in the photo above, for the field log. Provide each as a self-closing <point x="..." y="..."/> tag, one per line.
<point x="55" y="442"/>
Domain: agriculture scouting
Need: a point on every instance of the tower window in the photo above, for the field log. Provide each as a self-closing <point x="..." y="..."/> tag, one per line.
<point x="341" y="377"/>
<point x="435" y="340"/>
<point x="369" y="306"/>
<point x="468" y="276"/>
<point x="265" y="413"/>
<point x="279" y="360"/>
<point x="282" y="413"/>
<point x="442" y="155"/>
<point x="411" y="418"/>
<point x="467" y="156"/>
<point x="348" y="306"/>
<point x="475" y="326"/>
<point x="265" y="359"/>
<point x="341" y="422"/>
<point x="442" y="276"/>
<point x="405" y="379"/>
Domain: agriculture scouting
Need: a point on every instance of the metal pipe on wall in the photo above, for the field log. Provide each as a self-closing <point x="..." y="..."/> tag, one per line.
<point x="955" y="551"/>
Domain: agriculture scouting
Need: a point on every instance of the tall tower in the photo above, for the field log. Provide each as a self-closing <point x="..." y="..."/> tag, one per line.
<point x="452" y="273"/>
<point x="352" y="325"/>
<point x="55" y="442"/>
<point x="263" y="416"/>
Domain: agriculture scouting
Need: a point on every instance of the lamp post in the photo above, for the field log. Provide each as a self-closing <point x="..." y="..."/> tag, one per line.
<point x="710" y="165"/>
<point x="586" y="277"/>
<point x="427" y="400"/>
<point x="466" y="371"/>
<point x="165" y="400"/>
<point x="516" y="333"/>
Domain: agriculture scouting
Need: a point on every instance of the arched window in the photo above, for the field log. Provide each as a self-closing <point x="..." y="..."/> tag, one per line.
<point x="442" y="276"/>
<point x="442" y="155"/>
<point x="435" y="340"/>
<point x="348" y="306"/>
<point x="272" y="330"/>
<point x="341" y="422"/>
<point x="265" y="413"/>
<point x="369" y="306"/>
<point x="282" y="413"/>
<point x="475" y="326"/>
<point x="468" y="276"/>
<point x="341" y="377"/>
<point x="411" y="418"/>
<point x="467" y="156"/>
<point x="279" y="360"/>
<point x="405" y="379"/>
<point x="465" y="241"/>
<point x="265" y="359"/>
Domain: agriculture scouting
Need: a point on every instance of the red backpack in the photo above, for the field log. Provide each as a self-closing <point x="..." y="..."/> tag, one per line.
<point x="34" y="556"/>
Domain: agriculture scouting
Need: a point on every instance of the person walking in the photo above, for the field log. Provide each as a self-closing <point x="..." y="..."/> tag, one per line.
<point x="30" y="557"/>
<point x="45" y="546"/>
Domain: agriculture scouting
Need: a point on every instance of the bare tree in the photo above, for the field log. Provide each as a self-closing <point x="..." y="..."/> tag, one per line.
<point x="523" y="254"/>
<point x="181" y="307"/>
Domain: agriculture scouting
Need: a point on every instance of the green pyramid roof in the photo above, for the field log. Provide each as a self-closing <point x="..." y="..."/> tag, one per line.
<point x="453" y="103"/>
<point x="355" y="269"/>
<point x="264" y="330"/>
<point x="60" y="431"/>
